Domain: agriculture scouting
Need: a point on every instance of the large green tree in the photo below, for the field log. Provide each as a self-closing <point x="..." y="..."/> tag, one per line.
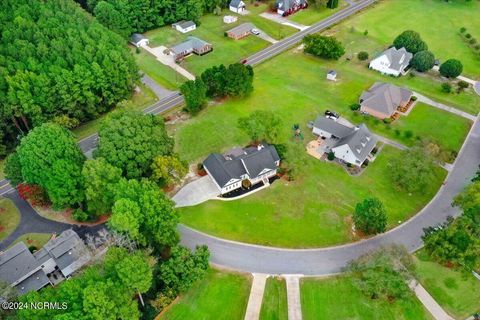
<point x="130" y="141"/>
<point x="451" y="68"/>
<point x="50" y="157"/>
<point x="323" y="46"/>
<point x="195" y="94"/>
<point x="423" y="61"/>
<point x="261" y="125"/>
<point x="370" y="216"/>
<point x="13" y="169"/>
<point x="411" y="41"/>
<point x="168" y="169"/>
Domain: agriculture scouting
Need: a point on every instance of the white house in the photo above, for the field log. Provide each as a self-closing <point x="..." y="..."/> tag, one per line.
<point x="242" y="165"/>
<point x="288" y="7"/>
<point x="237" y="6"/>
<point x="229" y="19"/>
<point x="332" y="75"/>
<point x="139" y="40"/>
<point x="392" y="61"/>
<point x="184" y="26"/>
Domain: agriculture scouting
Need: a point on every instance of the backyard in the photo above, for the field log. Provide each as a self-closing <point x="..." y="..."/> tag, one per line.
<point x="221" y="295"/>
<point x="9" y="217"/>
<point x="274" y="304"/>
<point x="338" y="298"/>
<point x="458" y="293"/>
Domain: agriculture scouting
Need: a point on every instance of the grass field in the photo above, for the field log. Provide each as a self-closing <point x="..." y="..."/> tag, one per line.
<point x="275" y="30"/>
<point x="9" y="217"/>
<point x="337" y="298"/>
<point x="458" y="293"/>
<point x="34" y="239"/>
<point x="274" y="305"/>
<point x="438" y="22"/>
<point x="312" y="211"/>
<point x="220" y="296"/>
<point x="2" y="166"/>
<point x="313" y="15"/>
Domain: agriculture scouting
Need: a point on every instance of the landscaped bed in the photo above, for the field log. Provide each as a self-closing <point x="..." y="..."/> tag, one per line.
<point x="9" y="217"/>
<point x="458" y="293"/>
<point x="220" y="295"/>
<point x="274" y="304"/>
<point x="338" y="298"/>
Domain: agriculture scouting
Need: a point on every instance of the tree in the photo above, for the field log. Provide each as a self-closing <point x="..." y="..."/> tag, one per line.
<point x="423" y="61"/>
<point x="168" y="169"/>
<point x="332" y="4"/>
<point x="362" y="55"/>
<point x="215" y="81"/>
<point x="261" y="125"/>
<point x="100" y="179"/>
<point x="413" y="172"/>
<point x="125" y="219"/>
<point x="130" y="141"/>
<point x="383" y="274"/>
<point x="324" y="47"/>
<point x="469" y="199"/>
<point x="13" y="169"/>
<point x="50" y="157"/>
<point x="370" y="216"/>
<point x="451" y="68"/>
<point x="411" y="41"/>
<point x="239" y="79"/>
<point x="183" y="268"/>
<point x="195" y="94"/>
<point x="446" y="87"/>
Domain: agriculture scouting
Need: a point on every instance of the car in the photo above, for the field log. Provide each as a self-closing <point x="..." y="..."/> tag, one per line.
<point x="255" y="32"/>
<point x="332" y="115"/>
<point x="244" y="61"/>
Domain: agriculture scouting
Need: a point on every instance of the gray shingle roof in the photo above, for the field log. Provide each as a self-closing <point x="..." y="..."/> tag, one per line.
<point x="399" y="58"/>
<point x="235" y="3"/>
<point x="36" y="281"/>
<point x="288" y="4"/>
<point x="136" y="37"/>
<point x="361" y="141"/>
<point x="385" y="97"/>
<point x="189" y="45"/>
<point x="241" y="29"/>
<point x="17" y="263"/>
<point x="334" y="128"/>
<point x="184" y="24"/>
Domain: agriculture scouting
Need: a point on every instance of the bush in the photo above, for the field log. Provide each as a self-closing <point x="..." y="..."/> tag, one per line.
<point x="387" y="120"/>
<point x="331" y="156"/>
<point x="411" y="41"/>
<point x="423" y="61"/>
<point x="324" y="47"/>
<point x="462" y="85"/>
<point x="468" y="36"/>
<point x="362" y="55"/>
<point x="370" y="216"/>
<point x="397" y="132"/>
<point x="413" y="98"/>
<point x="365" y="32"/>
<point x="472" y="41"/>
<point x="463" y="29"/>
<point x="451" y="68"/>
<point x="32" y="249"/>
<point x="446" y="87"/>
<point x="477" y="47"/>
<point x="408" y="134"/>
<point x="355" y="106"/>
<point x="80" y="215"/>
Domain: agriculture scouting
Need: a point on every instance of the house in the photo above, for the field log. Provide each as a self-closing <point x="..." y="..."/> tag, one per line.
<point x="332" y="75"/>
<point x="392" y="61"/>
<point x="237" y="6"/>
<point x="242" y="166"/>
<point x="350" y="145"/>
<point x="57" y="260"/>
<point x="288" y="7"/>
<point x="241" y="31"/>
<point x="191" y="45"/>
<point x="184" y="26"/>
<point x="138" y="40"/>
<point x="383" y="99"/>
<point x="229" y="19"/>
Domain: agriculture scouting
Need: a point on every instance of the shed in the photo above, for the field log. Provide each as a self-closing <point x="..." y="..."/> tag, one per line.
<point x="138" y="40"/>
<point x="184" y="26"/>
<point x="332" y="75"/>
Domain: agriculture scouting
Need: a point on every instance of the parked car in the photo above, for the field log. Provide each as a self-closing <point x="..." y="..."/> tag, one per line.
<point x="332" y="115"/>
<point x="255" y="32"/>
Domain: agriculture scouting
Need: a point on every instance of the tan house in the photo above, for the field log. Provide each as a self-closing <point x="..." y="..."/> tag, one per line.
<point x="241" y="31"/>
<point x="383" y="99"/>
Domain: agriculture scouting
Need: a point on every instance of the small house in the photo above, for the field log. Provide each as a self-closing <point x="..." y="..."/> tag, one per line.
<point x="229" y="19"/>
<point x="332" y="75"/>
<point x="138" y="40"/>
<point x="237" y="6"/>
<point x="383" y="99"/>
<point x="288" y="7"/>
<point x="191" y="45"/>
<point x="241" y="31"/>
<point x="184" y="26"/>
<point x="392" y="61"/>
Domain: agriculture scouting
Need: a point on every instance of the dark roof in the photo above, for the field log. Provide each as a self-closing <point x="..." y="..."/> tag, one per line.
<point x="17" y="263"/>
<point x="65" y="249"/>
<point x="36" y="281"/>
<point x="242" y="29"/>
<point x="288" y="4"/>
<point x="189" y="45"/>
<point x="385" y="97"/>
<point x="332" y="72"/>
<point x="361" y="141"/>
<point x="236" y="3"/>
<point x="332" y="127"/>
<point x="238" y="162"/>
<point x="136" y="37"/>
<point x="184" y="24"/>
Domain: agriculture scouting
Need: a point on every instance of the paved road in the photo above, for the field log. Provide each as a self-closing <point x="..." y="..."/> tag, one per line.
<point x="288" y="42"/>
<point x="252" y="258"/>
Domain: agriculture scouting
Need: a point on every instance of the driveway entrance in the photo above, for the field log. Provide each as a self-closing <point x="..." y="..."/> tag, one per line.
<point x="196" y="192"/>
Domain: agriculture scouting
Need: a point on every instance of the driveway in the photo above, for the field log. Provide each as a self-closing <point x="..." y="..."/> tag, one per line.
<point x="168" y="60"/>
<point x="263" y="35"/>
<point x="196" y="192"/>
<point x="281" y="20"/>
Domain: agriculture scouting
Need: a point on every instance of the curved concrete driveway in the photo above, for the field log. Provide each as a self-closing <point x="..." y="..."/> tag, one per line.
<point x="259" y="259"/>
<point x="196" y="192"/>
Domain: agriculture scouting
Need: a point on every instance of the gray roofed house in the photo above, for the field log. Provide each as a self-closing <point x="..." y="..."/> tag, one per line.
<point x="184" y="26"/>
<point x="255" y="164"/>
<point x="138" y="40"/>
<point x="191" y="45"/>
<point x="287" y="7"/>
<point x="328" y="128"/>
<point x="392" y="61"/>
<point x="383" y="99"/>
<point x="241" y="31"/>
<point x="237" y="6"/>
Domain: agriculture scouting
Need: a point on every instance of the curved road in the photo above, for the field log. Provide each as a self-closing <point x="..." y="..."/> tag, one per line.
<point x="253" y="258"/>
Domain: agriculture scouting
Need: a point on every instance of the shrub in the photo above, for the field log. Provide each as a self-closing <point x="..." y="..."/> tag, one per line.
<point x="397" y="132"/>
<point x="468" y="36"/>
<point x="477" y="47"/>
<point x="324" y="47"/>
<point x="32" y="249"/>
<point x="365" y="32"/>
<point x="411" y="41"/>
<point x="446" y="87"/>
<point x="462" y="85"/>
<point x="414" y="98"/>
<point x="387" y="120"/>
<point x="331" y="156"/>
<point x="463" y="29"/>
<point x="408" y="134"/>
<point x="362" y="55"/>
<point x="354" y="106"/>
<point x="472" y="41"/>
<point x="423" y="61"/>
<point x="370" y="216"/>
<point x="80" y="215"/>
<point x="451" y="68"/>
<point x="33" y="194"/>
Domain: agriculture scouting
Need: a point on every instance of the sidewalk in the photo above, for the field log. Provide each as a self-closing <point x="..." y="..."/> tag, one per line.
<point x="441" y="106"/>
<point x="293" y="297"/>
<point x="256" y="296"/>
<point x="427" y="300"/>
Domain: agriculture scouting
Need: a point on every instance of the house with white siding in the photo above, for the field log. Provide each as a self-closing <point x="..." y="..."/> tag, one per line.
<point x="392" y="61"/>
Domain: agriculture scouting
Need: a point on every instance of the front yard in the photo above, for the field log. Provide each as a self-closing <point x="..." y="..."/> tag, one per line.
<point x="274" y="304"/>
<point x="9" y="217"/>
<point x="312" y="15"/>
<point x="338" y="298"/>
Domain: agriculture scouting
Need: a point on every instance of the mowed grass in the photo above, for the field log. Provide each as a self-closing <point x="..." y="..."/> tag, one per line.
<point x="438" y="23"/>
<point x="220" y="295"/>
<point x="273" y="29"/>
<point x="312" y="211"/>
<point x="458" y="293"/>
<point x="338" y="298"/>
<point x="312" y="15"/>
<point x="9" y="217"/>
<point x="274" y="304"/>
<point x="2" y="167"/>
<point x="37" y="240"/>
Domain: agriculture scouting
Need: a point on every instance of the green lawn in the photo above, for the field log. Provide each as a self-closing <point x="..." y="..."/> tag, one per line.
<point x="313" y="15"/>
<point x="337" y="298"/>
<point x="275" y="30"/>
<point x="34" y="239"/>
<point x="9" y="217"/>
<point x="438" y="22"/>
<point x="274" y="305"/>
<point x="2" y="166"/>
<point x="312" y="211"/>
<point x="458" y="293"/>
<point x="139" y="101"/>
<point x="220" y="296"/>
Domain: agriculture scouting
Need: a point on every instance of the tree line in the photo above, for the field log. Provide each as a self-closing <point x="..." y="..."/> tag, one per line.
<point x="57" y="63"/>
